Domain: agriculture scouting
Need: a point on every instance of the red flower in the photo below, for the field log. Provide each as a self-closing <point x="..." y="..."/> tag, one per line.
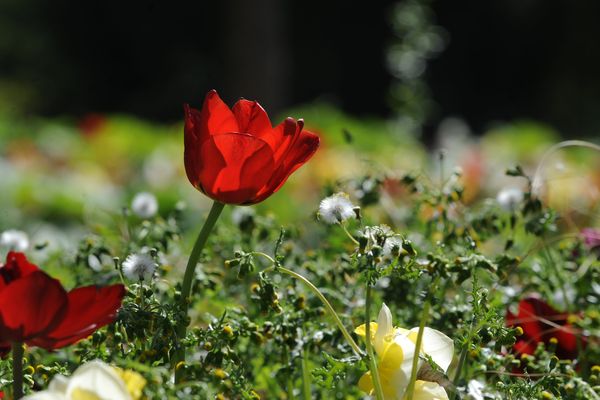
<point x="540" y="323"/>
<point x="236" y="156"/>
<point x="36" y="309"/>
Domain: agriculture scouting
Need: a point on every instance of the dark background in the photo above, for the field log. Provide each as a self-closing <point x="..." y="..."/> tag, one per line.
<point x="504" y="59"/>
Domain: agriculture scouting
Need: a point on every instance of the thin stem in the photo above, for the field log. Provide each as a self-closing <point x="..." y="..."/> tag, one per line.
<point x="289" y="382"/>
<point x="188" y="277"/>
<point x="372" y="361"/>
<point x="537" y="177"/>
<point x="349" y="234"/>
<point x="415" y="363"/>
<point x="326" y="303"/>
<point x="463" y="358"/>
<point x="305" y="376"/>
<point x="213" y="215"/>
<point x="17" y="361"/>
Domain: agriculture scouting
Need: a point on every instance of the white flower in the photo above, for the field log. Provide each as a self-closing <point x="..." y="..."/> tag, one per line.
<point x="93" y="380"/>
<point x="241" y="215"/>
<point x="14" y="240"/>
<point x="144" y="205"/>
<point x="392" y="246"/>
<point x="94" y="262"/>
<point x="475" y="389"/>
<point x="395" y="348"/>
<point x="336" y="208"/>
<point x="139" y="267"/>
<point x="509" y="198"/>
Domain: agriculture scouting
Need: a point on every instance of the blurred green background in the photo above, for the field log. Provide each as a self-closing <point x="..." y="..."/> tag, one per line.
<point x="91" y="96"/>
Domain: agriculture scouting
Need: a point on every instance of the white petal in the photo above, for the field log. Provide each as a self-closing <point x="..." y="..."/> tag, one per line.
<point x="58" y="384"/>
<point x="56" y="390"/>
<point x="429" y="391"/>
<point x="45" y="395"/>
<point x="437" y="346"/>
<point x="385" y="328"/>
<point x="402" y="374"/>
<point x="100" y="379"/>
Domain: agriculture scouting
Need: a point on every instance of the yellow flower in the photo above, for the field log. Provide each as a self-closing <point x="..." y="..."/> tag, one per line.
<point x="94" y="380"/>
<point x="395" y="348"/>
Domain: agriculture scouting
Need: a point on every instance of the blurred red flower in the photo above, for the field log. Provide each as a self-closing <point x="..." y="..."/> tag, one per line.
<point x="35" y="308"/>
<point x="235" y="156"/>
<point x="540" y="323"/>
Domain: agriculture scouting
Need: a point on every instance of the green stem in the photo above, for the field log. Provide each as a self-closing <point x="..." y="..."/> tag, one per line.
<point x="188" y="277"/>
<point x="415" y="363"/>
<point x="372" y="361"/>
<point x="289" y="382"/>
<point x="17" y="361"/>
<point x="349" y="234"/>
<point x="305" y="376"/>
<point x="463" y="358"/>
<point x="213" y="215"/>
<point x="326" y="303"/>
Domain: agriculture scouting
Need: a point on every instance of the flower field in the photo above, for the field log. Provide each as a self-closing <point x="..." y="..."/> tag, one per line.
<point x="313" y="255"/>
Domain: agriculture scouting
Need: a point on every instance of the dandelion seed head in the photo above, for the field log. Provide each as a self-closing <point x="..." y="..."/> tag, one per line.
<point x="14" y="240"/>
<point x="139" y="267"/>
<point x="336" y="208"/>
<point x="509" y="198"/>
<point x="392" y="246"/>
<point x="144" y="205"/>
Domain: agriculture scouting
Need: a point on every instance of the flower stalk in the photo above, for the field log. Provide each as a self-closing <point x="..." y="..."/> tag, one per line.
<point x="372" y="361"/>
<point x="188" y="277"/>
<point x="321" y="297"/>
<point x="17" y="362"/>
<point x="415" y="364"/>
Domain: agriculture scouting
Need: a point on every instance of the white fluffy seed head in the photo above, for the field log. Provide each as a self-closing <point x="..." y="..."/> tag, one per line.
<point x="14" y="240"/>
<point x="392" y="246"/>
<point x="138" y="267"/>
<point x="336" y="209"/>
<point x="144" y="205"/>
<point x="510" y="198"/>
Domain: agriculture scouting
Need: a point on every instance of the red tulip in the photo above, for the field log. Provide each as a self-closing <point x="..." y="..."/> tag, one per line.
<point x="36" y="309"/>
<point x="236" y="156"/>
<point x="540" y="323"/>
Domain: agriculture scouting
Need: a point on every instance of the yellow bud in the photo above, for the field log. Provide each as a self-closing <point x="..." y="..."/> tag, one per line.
<point x="572" y="319"/>
<point x="553" y="340"/>
<point x="180" y="365"/>
<point x="219" y="373"/>
<point x="29" y="370"/>
<point x="228" y="330"/>
<point x="518" y="331"/>
<point x="596" y="369"/>
<point x="547" y="395"/>
<point x="255" y="288"/>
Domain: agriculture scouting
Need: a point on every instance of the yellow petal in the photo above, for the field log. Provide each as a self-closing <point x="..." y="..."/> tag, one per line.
<point x="133" y="381"/>
<point x="362" y="330"/>
<point x="365" y="383"/>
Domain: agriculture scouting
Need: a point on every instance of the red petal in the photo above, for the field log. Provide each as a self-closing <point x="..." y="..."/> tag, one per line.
<point x="16" y="267"/>
<point x="215" y="117"/>
<point x="525" y="347"/>
<point x="252" y="118"/>
<point x="89" y="309"/>
<point x="529" y="319"/>
<point x="282" y="137"/>
<point x="301" y="151"/>
<point x="31" y="306"/>
<point x="233" y="167"/>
